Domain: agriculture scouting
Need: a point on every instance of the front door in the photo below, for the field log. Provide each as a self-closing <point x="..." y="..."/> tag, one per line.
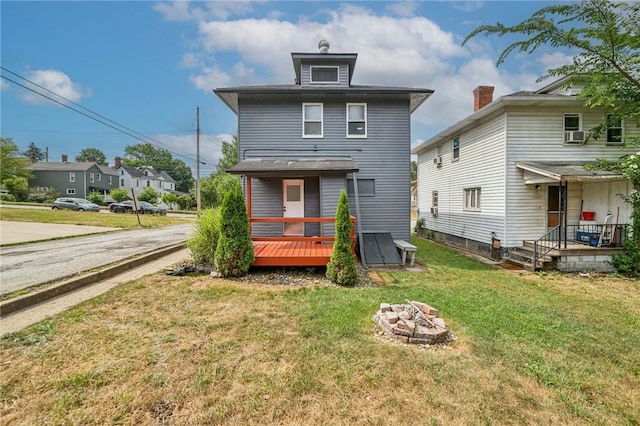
<point x="555" y="202"/>
<point x="293" y="205"/>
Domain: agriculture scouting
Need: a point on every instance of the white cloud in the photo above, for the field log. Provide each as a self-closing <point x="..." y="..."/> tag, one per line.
<point x="188" y="11"/>
<point x="408" y="51"/>
<point x="3" y="85"/>
<point x="468" y="6"/>
<point x="555" y="59"/>
<point x="53" y="81"/>
<point x="403" y="8"/>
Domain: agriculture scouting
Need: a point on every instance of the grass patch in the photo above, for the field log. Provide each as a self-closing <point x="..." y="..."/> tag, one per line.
<point x="69" y="217"/>
<point x="530" y="349"/>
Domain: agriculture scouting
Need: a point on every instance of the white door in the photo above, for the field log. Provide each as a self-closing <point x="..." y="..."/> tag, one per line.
<point x="293" y="205"/>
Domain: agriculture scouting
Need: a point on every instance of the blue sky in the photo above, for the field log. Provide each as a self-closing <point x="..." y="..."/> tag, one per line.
<point x="146" y="65"/>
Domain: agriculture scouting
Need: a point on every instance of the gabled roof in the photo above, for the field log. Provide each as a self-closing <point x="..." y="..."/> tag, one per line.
<point x="62" y="166"/>
<point x="569" y="171"/>
<point x="522" y="98"/>
<point x="132" y="171"/>
<point x="107" y="170"/>
<point x="416" y="96"/>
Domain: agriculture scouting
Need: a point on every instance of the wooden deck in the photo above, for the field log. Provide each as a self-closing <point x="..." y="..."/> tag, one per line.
<point x="291" y="253"/>
<point x="295" y="250"/>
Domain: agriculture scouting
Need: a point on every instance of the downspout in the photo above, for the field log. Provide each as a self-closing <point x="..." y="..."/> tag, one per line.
<point x="359" y="221"/>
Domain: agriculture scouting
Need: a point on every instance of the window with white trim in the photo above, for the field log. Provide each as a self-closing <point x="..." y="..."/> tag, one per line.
<point x="72" y="176"/>
<point x="312" y="120"/>
<point x="357" y="120"/>
<point x="324" y="75"/>
<point x="92" y="177"/>
<point x="121" y="182"/>
<point x="111" y="181"/>
<point x="572" y="122"/>
<point x="71" y="191"/>
<point x="614" y="129"/>
<point x="434" y="199"/>
<point x="472" y="199"/>
<point x="455" y="148"/>
<point x="99" y="177"/>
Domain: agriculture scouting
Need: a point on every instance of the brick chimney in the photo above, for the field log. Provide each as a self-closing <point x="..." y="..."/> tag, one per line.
<point x="482" y="96"/>
<point x="64" y="158"/>
<point x="92" y="159"/>
<point x="118" y="163"/>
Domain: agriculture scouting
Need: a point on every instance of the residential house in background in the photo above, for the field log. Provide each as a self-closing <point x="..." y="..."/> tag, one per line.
<point x="300" y="144"/>
<point x="136" y="179"/>
<point x="509" y="180"/>
<point x="73" y="179"/>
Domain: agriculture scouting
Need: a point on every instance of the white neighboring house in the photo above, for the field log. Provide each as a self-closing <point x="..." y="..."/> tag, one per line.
<point x="509" y="180"/>
<point x="135" y="179"/>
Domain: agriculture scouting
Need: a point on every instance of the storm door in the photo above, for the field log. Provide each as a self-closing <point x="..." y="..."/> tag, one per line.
<point x="293" y="205"/>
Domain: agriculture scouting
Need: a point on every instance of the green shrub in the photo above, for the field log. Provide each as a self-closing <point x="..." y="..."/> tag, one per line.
<point x="341" y="269"/>
<point x="18" y="187"/>
<point x="119" y="195"/>
<point x="234" y="253"/>
<point x="96" y="198"/>
<point x="149" y="195"/>
<point x="184" y="201"/>
<point x="205" y="237"/>
<point x="628" y="262"/>
<point x="8" y="197"/>
<point x="169" y="198"/>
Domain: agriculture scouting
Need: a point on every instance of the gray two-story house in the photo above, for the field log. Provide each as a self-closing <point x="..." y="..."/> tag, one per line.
<point x="300" y="144"/>
<point x="73" y="179"/>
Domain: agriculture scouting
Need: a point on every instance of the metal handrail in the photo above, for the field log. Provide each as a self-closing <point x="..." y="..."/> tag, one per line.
<point x="546" y="238"/>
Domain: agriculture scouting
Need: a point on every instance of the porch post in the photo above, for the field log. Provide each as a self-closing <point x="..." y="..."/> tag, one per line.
<point x="359" y="222"/>
<point x="566" y="209"/>
<point x="249" y="200"/>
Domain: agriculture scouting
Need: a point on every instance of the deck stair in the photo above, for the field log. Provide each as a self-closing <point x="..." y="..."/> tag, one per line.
<point x="523" y="256"/>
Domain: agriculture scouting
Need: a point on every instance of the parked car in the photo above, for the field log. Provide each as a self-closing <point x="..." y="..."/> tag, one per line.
<point x="143" y="207"/>
<point x="78" y="204"/>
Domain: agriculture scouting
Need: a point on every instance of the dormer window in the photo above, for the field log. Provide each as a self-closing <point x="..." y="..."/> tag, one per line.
<point x="324" y="75"/>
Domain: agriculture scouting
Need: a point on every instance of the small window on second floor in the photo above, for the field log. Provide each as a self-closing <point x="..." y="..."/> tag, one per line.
<point x="357" y="120"/>
<point x="312" y="120"/>
<point x="455" y="149"/>
<point x="324" y="75"/>
<point x="111" y="181"/>
<point x="92" y="177"/>
<point x="614" y="129"/>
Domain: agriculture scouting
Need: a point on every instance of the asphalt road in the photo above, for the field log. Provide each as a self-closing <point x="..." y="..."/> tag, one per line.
<point x="34" y="264"/>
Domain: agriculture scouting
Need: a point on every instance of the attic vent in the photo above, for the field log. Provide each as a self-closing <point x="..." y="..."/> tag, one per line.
<point x="323" y="45"/>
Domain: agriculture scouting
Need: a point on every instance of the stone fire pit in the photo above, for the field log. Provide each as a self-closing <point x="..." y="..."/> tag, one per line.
<point x="412" y="322"/>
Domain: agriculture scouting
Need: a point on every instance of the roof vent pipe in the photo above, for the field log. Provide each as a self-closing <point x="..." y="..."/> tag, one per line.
<point x="323" y="45"/>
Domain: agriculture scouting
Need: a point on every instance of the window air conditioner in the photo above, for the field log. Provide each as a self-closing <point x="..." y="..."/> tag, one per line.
<point x="574" y="137"/>
<point x="434" y="211"/>
<point x="437" y="161"/>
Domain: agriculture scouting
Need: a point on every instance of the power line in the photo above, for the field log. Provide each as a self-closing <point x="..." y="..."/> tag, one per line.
<point x="115" y="125"/>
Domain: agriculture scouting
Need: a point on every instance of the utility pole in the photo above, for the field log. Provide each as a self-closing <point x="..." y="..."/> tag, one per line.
<point x="198" y="203"/>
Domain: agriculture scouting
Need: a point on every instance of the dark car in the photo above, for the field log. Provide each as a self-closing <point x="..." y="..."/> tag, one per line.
<point x="143" y="208"/>
<point x="78" y="204"/>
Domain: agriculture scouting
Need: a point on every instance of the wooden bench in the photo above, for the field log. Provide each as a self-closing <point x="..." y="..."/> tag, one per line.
<point x="405" y="248"/>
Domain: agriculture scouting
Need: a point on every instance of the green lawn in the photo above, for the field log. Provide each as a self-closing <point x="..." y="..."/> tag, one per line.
<point x="113" y="220"/>
<point x="529" y="349"/>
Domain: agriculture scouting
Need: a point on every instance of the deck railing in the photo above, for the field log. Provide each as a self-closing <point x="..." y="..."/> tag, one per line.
<point x="590" y="235"/>
<point x="311" y="239"/>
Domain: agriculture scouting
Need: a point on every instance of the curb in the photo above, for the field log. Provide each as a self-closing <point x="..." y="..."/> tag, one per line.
<point x="26" y="300"/>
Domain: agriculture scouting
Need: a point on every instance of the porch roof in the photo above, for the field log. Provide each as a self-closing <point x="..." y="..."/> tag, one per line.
<point x="566" y="171"/>
<point x="261" y="167"/>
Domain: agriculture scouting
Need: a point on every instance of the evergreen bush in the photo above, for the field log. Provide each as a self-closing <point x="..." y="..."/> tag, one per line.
<point x="341" y="269"/>
<point x="234" y="253"/>
<point x="204" y="242"/>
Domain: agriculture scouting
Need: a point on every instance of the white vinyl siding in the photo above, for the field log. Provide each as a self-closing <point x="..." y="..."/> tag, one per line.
<point x="312" y="117"/>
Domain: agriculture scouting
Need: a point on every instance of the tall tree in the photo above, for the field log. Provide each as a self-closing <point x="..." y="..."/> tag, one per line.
<point x="12" y="164"/>
<point x="92" y="154"/>
<point x="145" y="154"/>
<point x="229" y="155"/>
<point x="34" y="152"/>
<point x="606" y="38"/>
